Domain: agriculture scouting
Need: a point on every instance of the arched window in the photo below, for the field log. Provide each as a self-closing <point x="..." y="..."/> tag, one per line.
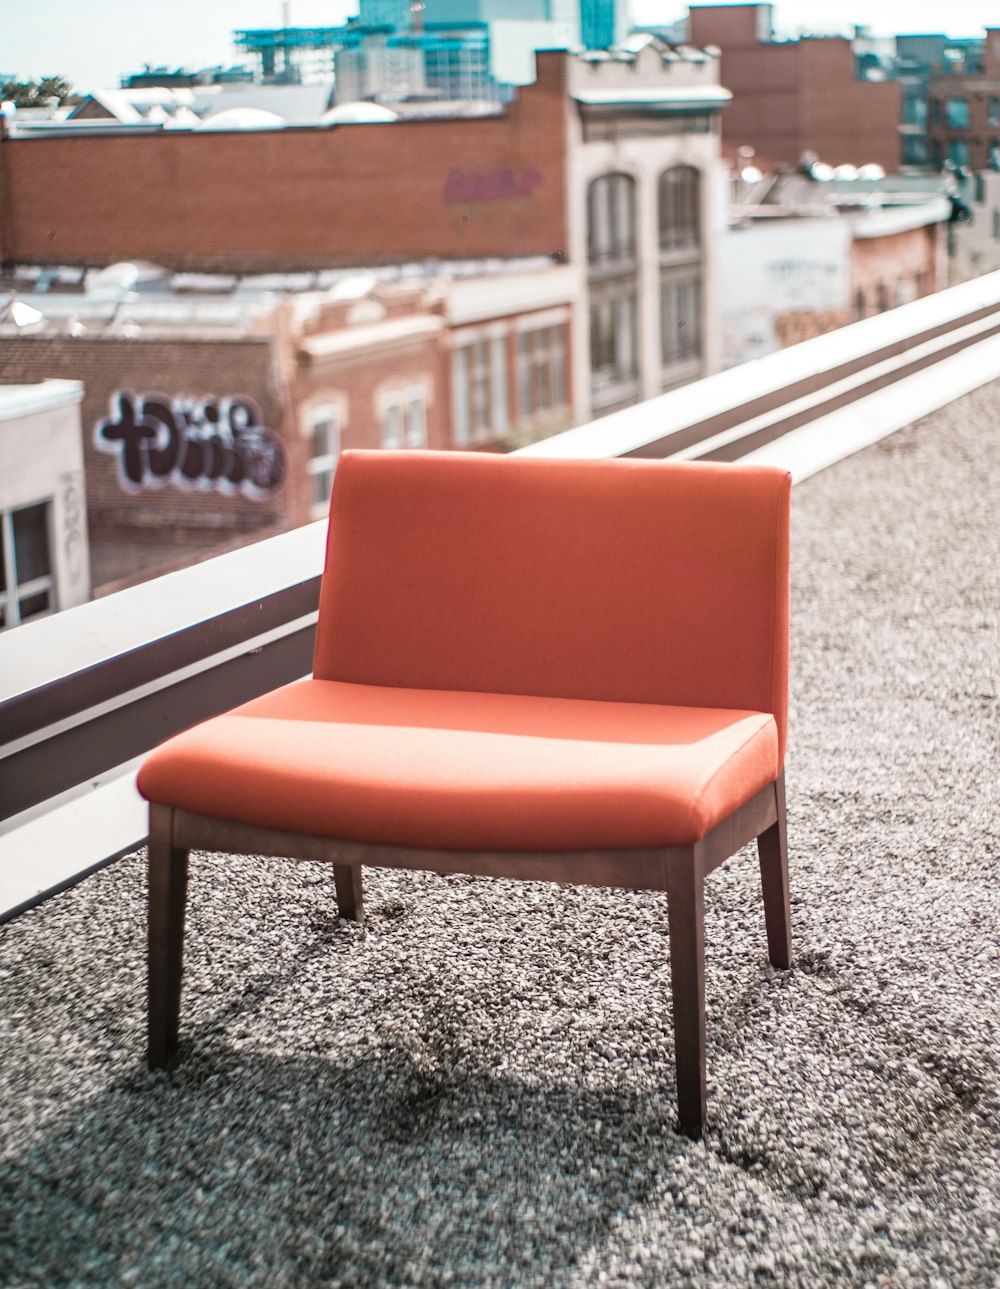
<point x="611" y="220"/>
<point x="681" y="327"/>
<point x="613" y="288"/>
<point x="680" y="210"/>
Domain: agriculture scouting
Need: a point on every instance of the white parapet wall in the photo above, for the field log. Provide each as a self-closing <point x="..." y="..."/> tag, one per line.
<point x="120" y="673"/>
<point x="904" y="350"/>
<point x="41" y="464"/>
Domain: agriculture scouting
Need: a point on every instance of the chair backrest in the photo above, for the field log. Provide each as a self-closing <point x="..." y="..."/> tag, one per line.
<point x="629" y="580"/>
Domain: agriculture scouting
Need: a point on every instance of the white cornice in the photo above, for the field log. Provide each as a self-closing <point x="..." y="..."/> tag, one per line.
<point x="669" y="99"/>
<point x="25" y="400"/>
<point x="396" y="331"/>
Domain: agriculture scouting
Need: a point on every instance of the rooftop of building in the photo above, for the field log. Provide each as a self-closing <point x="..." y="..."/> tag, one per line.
<point x="876" y="202"/>
<point x="639" y="64"/>
<point x="121" y="298"/>
<point x="478" y="1087"/>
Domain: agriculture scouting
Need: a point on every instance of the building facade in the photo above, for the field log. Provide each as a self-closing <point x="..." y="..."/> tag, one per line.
<point x="213" y="416"/>
<point x="44" y="552"/>
<point x="606" y="163"/>
<point x="644" y="212"/>
<point x="963" y="125"/>
<point x="294" y="199"/>
<point x="919" y="59"/>
<point x="797" y="96"/>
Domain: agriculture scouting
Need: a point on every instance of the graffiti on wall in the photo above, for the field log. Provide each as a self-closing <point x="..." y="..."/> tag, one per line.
<point x="493" y="185"/>
<point x="206" y="443"/>
<point x="74" y="530"/>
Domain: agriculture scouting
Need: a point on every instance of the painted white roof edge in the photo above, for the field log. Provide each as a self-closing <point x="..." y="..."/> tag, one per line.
<point x="673" y="97"/>
<point x="392" y="331"/>
<point x="899" y="219"/>
<point x="24" y="400"/>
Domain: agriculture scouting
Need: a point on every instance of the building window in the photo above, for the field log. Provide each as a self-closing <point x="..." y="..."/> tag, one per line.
<point x="611" y="220"/>
<point x="958" y="152"/>
<point x="680" y="210"/>
<point x="392" y="425"/>
<point x="680" y="324"/>
<point x="416" y="420"/>
<point x="324" y="452"/>
<point x="613" y="286"/>
<point x="914" y="151"/>
<point x="404" y="420"/>
<point x="27" y="586"/>
<point x="479" y="390"/>
<point x="614" y="348"/>
<point x="541" y="372"/>
<point x="914" y="107"/>
<point x="993" y="110"/>
<point x="957" y="113"/>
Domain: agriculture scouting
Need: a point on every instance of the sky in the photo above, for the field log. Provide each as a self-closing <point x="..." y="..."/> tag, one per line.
<point x="94" y="42"/>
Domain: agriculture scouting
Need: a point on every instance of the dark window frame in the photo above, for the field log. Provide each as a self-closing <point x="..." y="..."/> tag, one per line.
<point x="27" y="538"/>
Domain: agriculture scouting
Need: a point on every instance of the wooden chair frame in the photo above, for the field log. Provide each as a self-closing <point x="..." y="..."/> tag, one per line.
<point x="680" y="871"/>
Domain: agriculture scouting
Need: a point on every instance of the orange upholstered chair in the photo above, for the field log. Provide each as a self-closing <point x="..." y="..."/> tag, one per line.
<point x="565" y="670"/>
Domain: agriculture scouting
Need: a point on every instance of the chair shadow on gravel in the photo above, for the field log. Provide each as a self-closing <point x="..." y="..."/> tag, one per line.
<point x="239" y="1168"/>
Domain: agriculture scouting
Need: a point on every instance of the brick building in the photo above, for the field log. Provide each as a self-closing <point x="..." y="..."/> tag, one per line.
<point x="606" y="161"/>
<point x="963" y="120"/>
<point x="297" y="198"/>
<point x="920" y="58"/>
<point x="560" y="256"/>
<point x="214" y="414"/>
<point x="643" y="206"/>
<point x="797" y="96"/>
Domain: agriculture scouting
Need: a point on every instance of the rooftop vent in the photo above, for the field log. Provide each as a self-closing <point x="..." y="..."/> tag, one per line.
<point x="243" y="118"/>
<point x="358" y="114"/>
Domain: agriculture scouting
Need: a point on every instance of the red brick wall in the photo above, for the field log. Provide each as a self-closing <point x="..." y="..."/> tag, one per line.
<point x="731" y="26"/>
<point x="296" y="198"/>
<point x="172" y="368"/>
<point x="798" y="96"/>
<point x="991" y="53"/>
<point x="160" y="524"/>
<point x="884" y="269"/>
<point x="843" y="120"/>
<point x="979" y="92"/>
<point x="353" y="384"/>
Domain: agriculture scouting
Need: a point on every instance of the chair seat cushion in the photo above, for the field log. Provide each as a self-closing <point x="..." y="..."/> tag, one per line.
<point x="467" y="771"/>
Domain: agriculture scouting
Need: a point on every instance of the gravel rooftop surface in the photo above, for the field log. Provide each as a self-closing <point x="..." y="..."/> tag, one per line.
<point x="479" y="1090"/>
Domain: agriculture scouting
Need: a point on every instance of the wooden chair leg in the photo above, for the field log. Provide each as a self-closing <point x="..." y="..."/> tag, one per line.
<point x="686" y="921"/>
<point x="772" y="851"/>
<point x="350" y="898"/>
<point x="168" y="873"/>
